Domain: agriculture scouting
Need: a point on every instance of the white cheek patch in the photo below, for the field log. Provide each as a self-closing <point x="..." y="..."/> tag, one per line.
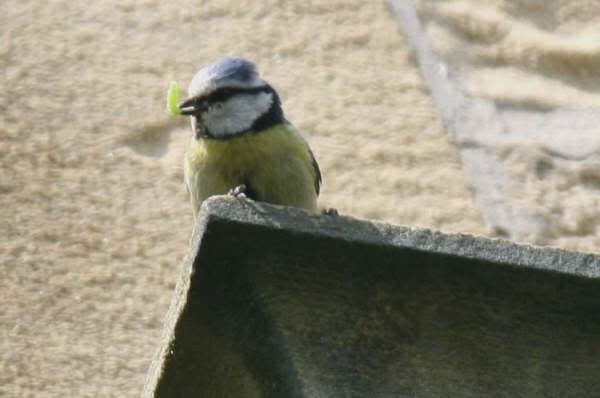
<point x="237" y="114"/>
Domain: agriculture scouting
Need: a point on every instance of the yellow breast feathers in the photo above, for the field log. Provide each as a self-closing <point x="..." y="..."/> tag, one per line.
<point x="276" y="165"/>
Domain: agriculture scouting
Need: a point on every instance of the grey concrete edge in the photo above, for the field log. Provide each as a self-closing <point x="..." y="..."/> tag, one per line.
<point x="378" y="233"/>
<point x="177" y="303"/>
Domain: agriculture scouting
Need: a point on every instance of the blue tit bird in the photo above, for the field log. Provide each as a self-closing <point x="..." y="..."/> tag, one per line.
<point x="242" y="143"/>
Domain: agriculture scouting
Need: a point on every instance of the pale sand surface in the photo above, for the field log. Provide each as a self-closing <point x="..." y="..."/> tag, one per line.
<point x="531" y="53"/>
<point x="541" y="57"/>
<point x="95" y="219"/>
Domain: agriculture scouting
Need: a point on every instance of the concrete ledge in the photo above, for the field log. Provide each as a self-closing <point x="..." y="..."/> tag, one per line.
<point x="275" y="302"/>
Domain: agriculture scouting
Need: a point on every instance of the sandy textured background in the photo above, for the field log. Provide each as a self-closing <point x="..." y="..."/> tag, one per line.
<point x="551" y="48"/>
<point x="540" y="57"/>
<point x="94" y="218"/>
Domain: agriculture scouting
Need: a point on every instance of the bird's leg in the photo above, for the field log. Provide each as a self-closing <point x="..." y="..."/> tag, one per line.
<point x="238" y="191"/>
<point x="330" y="211"/>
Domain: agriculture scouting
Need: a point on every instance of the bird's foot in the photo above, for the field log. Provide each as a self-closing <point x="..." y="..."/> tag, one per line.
<point x="238" y="191"/>
<point x="330" y="212"/>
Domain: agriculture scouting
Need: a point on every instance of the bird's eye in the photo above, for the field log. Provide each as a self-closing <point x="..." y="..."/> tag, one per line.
<point x="218" y="106"/>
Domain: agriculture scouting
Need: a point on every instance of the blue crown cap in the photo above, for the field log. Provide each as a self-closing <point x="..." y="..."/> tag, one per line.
<point x="227" y="71"/>
<point x="231" y="68"/>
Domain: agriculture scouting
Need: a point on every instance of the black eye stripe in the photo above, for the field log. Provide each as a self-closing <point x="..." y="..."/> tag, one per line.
<point x="223" y="94"/>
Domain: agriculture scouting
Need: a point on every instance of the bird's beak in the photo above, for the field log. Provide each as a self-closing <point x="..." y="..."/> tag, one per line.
<point x="193" y="106"/>
<point x="189" y="106"/>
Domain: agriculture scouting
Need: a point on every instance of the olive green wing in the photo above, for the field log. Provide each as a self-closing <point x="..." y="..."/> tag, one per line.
<point x="318" y="178"/>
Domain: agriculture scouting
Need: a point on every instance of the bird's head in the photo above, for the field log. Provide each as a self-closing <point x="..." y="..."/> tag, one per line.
<point x="228" y="98"/>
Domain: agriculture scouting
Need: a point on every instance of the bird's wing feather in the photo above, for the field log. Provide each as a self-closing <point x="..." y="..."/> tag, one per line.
<point x="318" y="178"/>
<point x="317" y="170"/>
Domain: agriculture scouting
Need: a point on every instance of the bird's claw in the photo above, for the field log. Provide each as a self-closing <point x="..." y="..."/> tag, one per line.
<point x="238" y="191"/>
<point x="330" y="212"/>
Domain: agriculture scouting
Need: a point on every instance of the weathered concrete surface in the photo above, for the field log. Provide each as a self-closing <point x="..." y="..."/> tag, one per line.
<point x="274" y="302"/>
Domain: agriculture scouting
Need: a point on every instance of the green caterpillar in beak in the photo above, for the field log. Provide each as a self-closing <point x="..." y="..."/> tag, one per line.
<point x="173" y="99"/>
